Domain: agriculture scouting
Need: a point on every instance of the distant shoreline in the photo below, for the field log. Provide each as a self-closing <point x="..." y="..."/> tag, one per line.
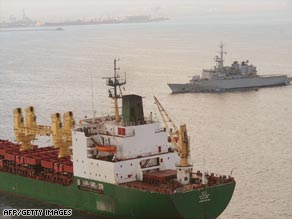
<point x="20" y="30"/>
<point x="127" y="20"/>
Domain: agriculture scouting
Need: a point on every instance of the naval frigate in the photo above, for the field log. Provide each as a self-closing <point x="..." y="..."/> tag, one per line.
<point x="238" y="76"/>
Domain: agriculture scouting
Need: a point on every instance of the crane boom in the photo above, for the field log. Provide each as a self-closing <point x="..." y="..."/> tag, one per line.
<point x="182" y="142"/>
<point x="184" y="169"/>
<point x="166" y="119"/>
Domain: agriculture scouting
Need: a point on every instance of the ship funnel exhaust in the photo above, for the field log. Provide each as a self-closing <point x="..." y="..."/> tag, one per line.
<point x="133" y="110"/>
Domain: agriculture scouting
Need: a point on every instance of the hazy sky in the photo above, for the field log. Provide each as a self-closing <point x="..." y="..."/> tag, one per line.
<point x="73" y="9"/>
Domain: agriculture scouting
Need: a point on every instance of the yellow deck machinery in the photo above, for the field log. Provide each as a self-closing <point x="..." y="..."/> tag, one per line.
<point x="25" y="132"/>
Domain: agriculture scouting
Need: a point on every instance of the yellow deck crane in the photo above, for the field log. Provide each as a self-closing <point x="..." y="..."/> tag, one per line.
<point x="69" y="124"/>
<point x="180" y="140"/>
<point x="27" y="132"/>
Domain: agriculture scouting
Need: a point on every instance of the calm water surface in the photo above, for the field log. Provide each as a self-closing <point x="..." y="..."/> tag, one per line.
<point x="248" y="133"/>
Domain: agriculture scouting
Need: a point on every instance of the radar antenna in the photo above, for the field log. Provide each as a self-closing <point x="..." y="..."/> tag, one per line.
<point x="115" y="92"/>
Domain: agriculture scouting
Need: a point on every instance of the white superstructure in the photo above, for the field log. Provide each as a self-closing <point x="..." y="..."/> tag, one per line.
<point x="141" y="148"/>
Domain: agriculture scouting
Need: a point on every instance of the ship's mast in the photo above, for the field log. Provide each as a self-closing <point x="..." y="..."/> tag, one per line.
<point x="220" y="60"/>
<point x="115" y="93"/>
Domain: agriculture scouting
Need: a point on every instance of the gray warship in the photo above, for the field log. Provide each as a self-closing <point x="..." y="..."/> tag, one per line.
<point x="238" y="76"/>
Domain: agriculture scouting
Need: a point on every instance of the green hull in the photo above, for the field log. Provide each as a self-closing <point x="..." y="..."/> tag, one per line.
<point x="125" y="203"/>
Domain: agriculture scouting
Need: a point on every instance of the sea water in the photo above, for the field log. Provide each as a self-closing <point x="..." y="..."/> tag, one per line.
<point x="246" y="134"/>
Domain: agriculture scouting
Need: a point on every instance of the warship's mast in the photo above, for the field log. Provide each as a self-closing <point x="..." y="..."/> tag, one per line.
<point x="115" y="93"/>
<point x="220" y="60"/>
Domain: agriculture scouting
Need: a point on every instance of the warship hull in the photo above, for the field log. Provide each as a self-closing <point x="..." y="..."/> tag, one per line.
<point x="230" y="84"/>
<point x="118" y="201"/>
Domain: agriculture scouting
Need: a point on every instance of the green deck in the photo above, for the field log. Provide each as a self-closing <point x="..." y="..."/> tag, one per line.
<point x="125" y="203"/>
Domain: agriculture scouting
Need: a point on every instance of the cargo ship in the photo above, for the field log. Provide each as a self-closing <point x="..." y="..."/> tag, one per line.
<point x="124" y="165"/>
<point x="238" y="76"/>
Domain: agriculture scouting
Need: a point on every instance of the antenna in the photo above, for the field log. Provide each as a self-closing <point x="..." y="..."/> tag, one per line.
<point x="92" y="100"/>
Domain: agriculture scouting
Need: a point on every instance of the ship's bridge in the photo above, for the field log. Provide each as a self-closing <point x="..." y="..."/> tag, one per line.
<point x="113" y="141"/>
